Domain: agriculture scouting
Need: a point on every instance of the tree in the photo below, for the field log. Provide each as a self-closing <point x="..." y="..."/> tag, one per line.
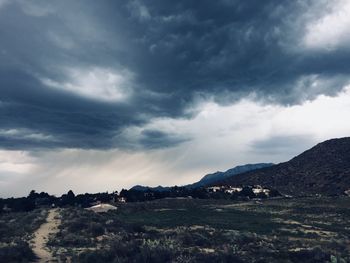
<point x="70" y="194"/>
<point x="247" y="191"/>
<point x="69" y="198"/>
<point x="32" y="194"/>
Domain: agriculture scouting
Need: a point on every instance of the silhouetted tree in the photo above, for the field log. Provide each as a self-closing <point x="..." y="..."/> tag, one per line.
<point x="68" y="199"/>
<point x="32" y="194"/>
<point x="247" y="191"/>
<point x="70" y="194"/>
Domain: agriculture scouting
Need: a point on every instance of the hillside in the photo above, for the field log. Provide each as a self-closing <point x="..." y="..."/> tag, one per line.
<point x="323" y="169"/>
<point x="218" y="176"/>
<point x="209" y="178"/>
<point x="158" y="188"/>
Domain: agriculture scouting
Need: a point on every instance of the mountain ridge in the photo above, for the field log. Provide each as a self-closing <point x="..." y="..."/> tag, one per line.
<point x="209" y="178"/>
<point x="322" y="169"/>
<point x="217" y="176"/>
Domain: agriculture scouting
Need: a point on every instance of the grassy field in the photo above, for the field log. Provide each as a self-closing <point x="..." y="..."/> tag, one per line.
<point x="192" y="230"/>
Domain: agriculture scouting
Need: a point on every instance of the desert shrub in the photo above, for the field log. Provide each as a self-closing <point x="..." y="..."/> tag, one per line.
<point x="228" y="236"/>
<point x="84" y="224"/>
<point x="162" y="250"/>
<point x="114" y="254"/>
<point x="15" y="229"/>
<point x="20" y="225"/>
<point x="76" y="225"/>
<point x="96" y="229"/>
<point x="261" y="195"/>
<point x="159" y="250"/>
<point x="68" y="240"/>
<point x="195" y="239"/>
<point x="246" y="238"/>
<point x="218" y="257"/>
<point x="247" y="192"/>
<point x="155" y="254"/>
<point x="96" y="256"/>
<point x="314" y="255"/>
<point x="18" y="252"/>
<point x="162" y="231"/>
<point x="113" y="225"/>
<point x="183" y="259"/>
<point x="137" y="228"/>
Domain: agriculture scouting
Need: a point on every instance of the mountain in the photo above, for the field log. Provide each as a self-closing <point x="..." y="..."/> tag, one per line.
<point x="323" y="169"/>
<point x="218" y="176"/>
<point x="209" y="178"/>
<point x="147" y="188"/>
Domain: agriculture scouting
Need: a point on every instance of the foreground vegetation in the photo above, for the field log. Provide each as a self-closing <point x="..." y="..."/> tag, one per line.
<point x="194" y="230"/>
<point x="16" y="229"/>
<point x="190" y="230"/>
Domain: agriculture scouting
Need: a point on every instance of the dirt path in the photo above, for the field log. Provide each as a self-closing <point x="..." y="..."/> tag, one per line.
<point x="42" y="236"/>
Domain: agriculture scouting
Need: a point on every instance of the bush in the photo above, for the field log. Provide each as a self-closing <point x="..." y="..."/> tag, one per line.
<point x="19" y="252"/>
<point x="195" y="239"/>
<point x="309" y="255"/>
<point x="70" y="239"/>
<point x="96" y="229"/>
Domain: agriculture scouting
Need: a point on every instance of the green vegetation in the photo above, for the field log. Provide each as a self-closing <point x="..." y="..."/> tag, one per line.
<point x="194" y="230"/>
<point x="314" y="229"/>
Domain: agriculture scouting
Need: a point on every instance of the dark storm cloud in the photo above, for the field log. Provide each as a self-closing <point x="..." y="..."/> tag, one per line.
<point x="176" y="51"/>
<point x="71" y="121"/>
<point x="153" y="139"/>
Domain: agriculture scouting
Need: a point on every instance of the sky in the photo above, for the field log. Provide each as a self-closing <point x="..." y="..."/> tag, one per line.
<point x="103" y="95"/>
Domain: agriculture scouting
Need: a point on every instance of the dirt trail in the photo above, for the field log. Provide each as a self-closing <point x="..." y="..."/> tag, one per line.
<point x="42" y="236"/>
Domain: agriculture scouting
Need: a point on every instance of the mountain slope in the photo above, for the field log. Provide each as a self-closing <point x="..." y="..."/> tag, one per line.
<point x="218" y="176"/>
<point x="323" y="169"/>
<point x="142" y="188"/>
<point x="209" y="178"/>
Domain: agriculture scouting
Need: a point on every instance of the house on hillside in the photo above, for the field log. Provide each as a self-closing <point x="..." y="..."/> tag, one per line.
<point x="214" y="189"/>
<point x="258" y="189"/>
<point x="119" y="199"/>
<point x="232" y="190"/>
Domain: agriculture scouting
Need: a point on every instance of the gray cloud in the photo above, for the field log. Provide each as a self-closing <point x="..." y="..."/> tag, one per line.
<point x="153" y="139"/>
<point x="176" y="51"/>
<point x="283" y="145"/>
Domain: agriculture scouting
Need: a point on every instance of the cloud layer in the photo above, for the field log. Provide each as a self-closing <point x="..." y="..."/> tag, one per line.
<point x="245" y="132"/>
<point x="82" y="72"/>
<point x="145" y="76"/>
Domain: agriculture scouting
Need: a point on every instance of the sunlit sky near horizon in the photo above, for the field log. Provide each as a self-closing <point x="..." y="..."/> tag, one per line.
<point x="103" y="95"/>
